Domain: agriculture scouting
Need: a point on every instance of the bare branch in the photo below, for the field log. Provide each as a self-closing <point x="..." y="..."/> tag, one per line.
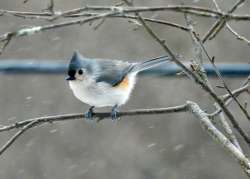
<point x="93" y="13"/>
<point x="195" y="10"/>
<point x="110" y="11"/>
<point x="98" y="116"/>
<point x="227" y="99"/>
<point x="50" y="7"/>
<point x="236" y="5"/>
<point x="14" y="137"/>
<point x="219" y="24"/>
<point x="227" y="129"/>
<point x="223" y="81"/>
<point x="237" y="35"/>
<point x="30" y="123"/>
<point x="193" y="107"/>
<point x="202" y="73"/>
<point x="197" y="80"/>
<point x="219" y="137"/>
<point x="236" y="92"/>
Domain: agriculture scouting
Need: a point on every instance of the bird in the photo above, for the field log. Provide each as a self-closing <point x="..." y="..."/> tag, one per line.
<point x="105" y="82"/>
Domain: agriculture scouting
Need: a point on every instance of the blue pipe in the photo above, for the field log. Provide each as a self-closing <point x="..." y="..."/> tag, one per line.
<point x="48" y="67"/>
<point x="226" y="69"/>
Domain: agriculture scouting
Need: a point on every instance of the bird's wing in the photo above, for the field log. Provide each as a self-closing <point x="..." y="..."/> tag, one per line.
<point x="112" y="71"/>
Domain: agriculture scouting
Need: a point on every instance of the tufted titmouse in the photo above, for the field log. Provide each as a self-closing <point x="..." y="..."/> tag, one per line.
<point x="104" y="82"/>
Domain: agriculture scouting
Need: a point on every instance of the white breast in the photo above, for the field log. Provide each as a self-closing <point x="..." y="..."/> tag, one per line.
<point x="101" y="94"/>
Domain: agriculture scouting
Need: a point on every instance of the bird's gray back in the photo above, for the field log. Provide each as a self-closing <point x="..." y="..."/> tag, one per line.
<point x="111" y="71"/>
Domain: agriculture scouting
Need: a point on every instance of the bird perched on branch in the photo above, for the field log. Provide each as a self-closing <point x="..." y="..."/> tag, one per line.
<point x="104" y="82"/>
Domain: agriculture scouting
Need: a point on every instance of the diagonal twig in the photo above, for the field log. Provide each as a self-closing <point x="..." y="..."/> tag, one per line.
<point x="17" y="135"/>
<point x="237" y="4"/>
<point x="197" y="80"/>
<point x="219" y="137"/>
<point x="201" y="71"/>
<point x="227" y="99"/>
<point x="219" y="24"/>
<point x="237" y="35"/>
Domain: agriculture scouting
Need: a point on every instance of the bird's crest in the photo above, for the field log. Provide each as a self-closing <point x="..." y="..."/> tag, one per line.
<point x="76" y="61"/>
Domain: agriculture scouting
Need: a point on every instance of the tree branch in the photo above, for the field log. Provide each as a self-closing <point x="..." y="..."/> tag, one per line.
<point x="219" y="24"/>
<point x="237" y="35"/>
<point x="227" y="97"/>
<point x="110" y="11"/>
<point x="99" y="116"/>
<point x="222" y="80"/>
<point x="201" y="71"/>
<point x="197" y="80"/>
<point x="30" y="123"/>
<point x="14" y="137"/>
<point x="219" y="137"/>
<point x="195" y="10"/>
<point x="193" y="107"/>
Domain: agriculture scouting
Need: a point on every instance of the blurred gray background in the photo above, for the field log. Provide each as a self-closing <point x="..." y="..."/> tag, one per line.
<point x="164" y="146"/>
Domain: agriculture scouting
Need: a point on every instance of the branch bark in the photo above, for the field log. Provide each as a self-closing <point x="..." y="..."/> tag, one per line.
<point x="219" y="137"/>
<point x="98" y="116"/>
<point x="198" y="80"/>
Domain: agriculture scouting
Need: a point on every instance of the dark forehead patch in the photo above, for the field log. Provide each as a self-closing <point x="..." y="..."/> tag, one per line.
<point x="71" y="72"/>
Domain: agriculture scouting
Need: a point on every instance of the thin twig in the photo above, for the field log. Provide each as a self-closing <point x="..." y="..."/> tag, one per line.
<point x="223" y="81"/>
<point x="223" y="20"/>
<point x="114" y="11"/>
<point x="197" y="80"/>
<point x="237" y="92"/>
<point x="47" y="16"/>
<point x="30" y="31"/>
<point x="236" y="5"/>
<point x="219" y="24"/>
<point x="219" y="137"/>
<point x="237" y="35"/>
<point x="27" y="124"/>
<point x="227" y="129"/>
<point x="99" y="116"/>
<point x="202" y="73"/>
<point x="195" y="10"/>
<point x="215" y="67"/>
<point x="14" y="137"/>
<point x="157" y="21"/>
<point x="227" y="99"/>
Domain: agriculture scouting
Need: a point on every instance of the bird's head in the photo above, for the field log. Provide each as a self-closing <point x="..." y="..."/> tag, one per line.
<point x="78" y="67"/>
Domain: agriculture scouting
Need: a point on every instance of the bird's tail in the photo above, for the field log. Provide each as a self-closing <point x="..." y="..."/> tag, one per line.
<point x="138" y="67"/>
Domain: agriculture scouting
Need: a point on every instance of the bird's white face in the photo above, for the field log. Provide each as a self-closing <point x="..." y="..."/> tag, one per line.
<point x="80" y="74"/>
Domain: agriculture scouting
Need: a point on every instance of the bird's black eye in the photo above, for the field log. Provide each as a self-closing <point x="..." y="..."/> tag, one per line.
<point x="80" y="72"/>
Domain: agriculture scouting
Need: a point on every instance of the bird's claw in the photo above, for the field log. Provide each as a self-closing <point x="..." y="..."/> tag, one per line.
<point x="88" y="115"/>
<point x="114" y="113"/>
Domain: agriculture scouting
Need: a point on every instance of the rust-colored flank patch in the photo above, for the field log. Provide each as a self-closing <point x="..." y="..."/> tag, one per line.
<point x="123" y="84"/>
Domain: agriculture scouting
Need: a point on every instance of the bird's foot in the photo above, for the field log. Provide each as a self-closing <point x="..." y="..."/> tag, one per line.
<point x="88" y="115"/>
<point x="114" y="113"/>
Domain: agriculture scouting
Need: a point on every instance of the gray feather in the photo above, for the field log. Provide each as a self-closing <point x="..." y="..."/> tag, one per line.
<point x="150" y="64"/>
<point x="112" y="71"/>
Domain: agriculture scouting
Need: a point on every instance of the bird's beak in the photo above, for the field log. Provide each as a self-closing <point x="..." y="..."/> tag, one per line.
<point x="70" y="78"/>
